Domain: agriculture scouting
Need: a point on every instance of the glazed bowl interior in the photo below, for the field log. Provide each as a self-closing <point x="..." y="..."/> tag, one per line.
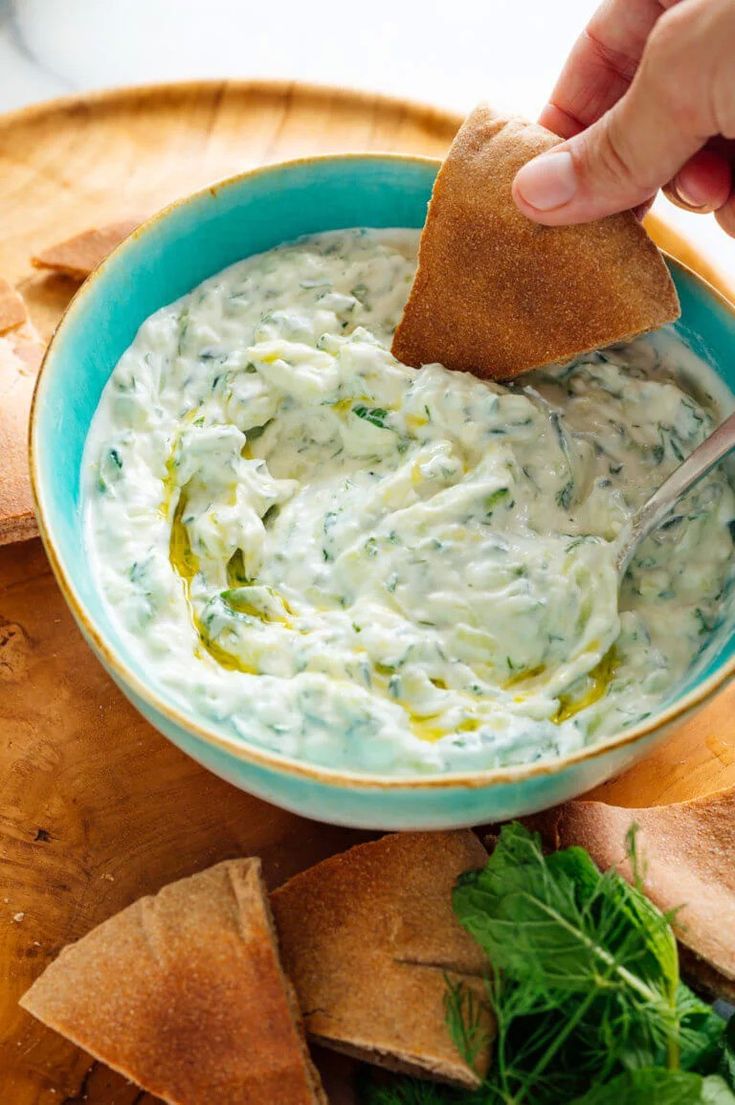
<point x="196" y="238"/>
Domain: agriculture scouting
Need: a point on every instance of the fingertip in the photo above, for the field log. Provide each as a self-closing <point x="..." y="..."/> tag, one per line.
<point x="559" y="122"/>
<point x="703" y="184"/>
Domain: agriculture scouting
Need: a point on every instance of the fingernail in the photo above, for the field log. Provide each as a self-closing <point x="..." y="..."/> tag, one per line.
<point x="687" y="199"/>
<point x="548" y="181"/>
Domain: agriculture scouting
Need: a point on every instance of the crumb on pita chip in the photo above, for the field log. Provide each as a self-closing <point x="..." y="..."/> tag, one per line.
<point x="687" y="853"/>
<point x="183" y="993"/>
<point x="496" y="294"/>
<point x="12" y="307"/>
<point x="21" y="353"/>
<point x="369" y="937"/>
<point x="77" y="257"/>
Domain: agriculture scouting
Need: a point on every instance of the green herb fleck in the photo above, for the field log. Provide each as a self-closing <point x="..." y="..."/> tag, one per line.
<point x="374" y="415"/>
<point x="565" y="495"/>
<point x="257" y="431"/>
<point x="496" y="498"/>
<point x="236" y="574"/>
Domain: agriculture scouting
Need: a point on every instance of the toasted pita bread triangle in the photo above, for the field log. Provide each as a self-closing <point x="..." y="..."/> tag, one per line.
<point x="12" y="308"/>
<point x="77" y="257"/>
<point x="21" y="352"/>
<point x="184" y="994"/>
<point x="687" y="852"/>
<point x="496" y="294"/>
<point x="369" y="937"/>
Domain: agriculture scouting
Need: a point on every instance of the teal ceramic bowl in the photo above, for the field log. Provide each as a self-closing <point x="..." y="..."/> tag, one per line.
<point x="168" y="256"/>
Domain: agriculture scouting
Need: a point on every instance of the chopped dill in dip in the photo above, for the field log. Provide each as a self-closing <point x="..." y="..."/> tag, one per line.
<point x="373" y="567"/>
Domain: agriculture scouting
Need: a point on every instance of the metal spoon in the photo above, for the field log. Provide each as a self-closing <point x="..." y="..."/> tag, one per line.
<point x="653" y="512"/>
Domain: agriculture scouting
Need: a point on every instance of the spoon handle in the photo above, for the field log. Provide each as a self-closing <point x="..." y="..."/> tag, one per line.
<point x="655" y="509"/>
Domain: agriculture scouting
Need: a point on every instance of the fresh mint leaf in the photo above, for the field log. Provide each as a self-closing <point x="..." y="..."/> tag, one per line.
<point x="659" y="1087"/>
<point x="701" y="1042"/>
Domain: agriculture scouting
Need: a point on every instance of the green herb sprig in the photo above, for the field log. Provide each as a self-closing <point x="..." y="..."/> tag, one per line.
<point x="585" y="989"/>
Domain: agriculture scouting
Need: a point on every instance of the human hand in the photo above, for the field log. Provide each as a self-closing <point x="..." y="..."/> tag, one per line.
<point x="645" y="100"/>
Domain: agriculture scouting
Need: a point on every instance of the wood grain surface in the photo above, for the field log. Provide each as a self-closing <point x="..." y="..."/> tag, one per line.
<point x="95" y="807"/>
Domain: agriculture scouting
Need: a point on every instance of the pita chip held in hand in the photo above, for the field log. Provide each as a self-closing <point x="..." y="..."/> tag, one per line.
<point x="496" y="294"/>
<point x="687" y="854"/>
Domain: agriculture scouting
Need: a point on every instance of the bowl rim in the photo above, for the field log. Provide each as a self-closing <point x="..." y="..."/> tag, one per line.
<point x="238" y="747"/>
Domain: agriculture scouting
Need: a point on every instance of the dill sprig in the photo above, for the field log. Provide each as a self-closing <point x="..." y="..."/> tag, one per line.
<point x="463" y="1012"/>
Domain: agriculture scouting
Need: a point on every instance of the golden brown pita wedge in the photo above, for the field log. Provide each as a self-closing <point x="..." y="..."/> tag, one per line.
<point x="369" y="937"/>
<point x="184" y="994"/>
<point x="77" y="257"/>
<point x="496" y="294"/>
<point x="21" y="352"/>
<point x="687" y="852"/>
<point x="12" y="308"/>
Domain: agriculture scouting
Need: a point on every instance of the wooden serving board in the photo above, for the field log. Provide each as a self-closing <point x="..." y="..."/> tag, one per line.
<point x="95" y="807"/>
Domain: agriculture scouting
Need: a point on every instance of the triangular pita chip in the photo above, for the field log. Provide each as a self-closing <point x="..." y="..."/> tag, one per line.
<point x="21" y="352"/>
<point x="496" y="294"/>
<point x="77" y="257"/>
<point x="184" y="994"/>
<point x="369" y="938"/>
<point x="687" y="853"/>
<point x="12" y="308"/>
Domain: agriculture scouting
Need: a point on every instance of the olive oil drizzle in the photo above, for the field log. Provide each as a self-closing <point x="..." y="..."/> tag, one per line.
<point x="599" y="679"/>
<point x="185" y="563"/>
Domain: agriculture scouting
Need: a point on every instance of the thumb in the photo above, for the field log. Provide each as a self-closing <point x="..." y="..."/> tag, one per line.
<point x="627" y="155"/>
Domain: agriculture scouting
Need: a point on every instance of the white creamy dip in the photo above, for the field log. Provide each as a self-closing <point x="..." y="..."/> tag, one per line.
<point x="373" y="567"/>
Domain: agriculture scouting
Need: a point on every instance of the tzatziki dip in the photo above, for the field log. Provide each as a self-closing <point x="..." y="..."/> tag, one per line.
<point x="372" y="567"/>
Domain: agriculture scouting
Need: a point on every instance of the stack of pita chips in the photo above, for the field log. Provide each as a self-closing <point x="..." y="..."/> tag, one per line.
<point x="184" y="992"/>
<point x="21" y="352"/>
<point x="496" y="294"/>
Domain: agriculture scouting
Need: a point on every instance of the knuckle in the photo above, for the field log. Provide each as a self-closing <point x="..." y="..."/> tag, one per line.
<point x="723" y="76"/>
<point x="668" y="39"/>
<point x="723" y="108"/>
<point x="668" y="72"/>
<point x="610" y="157"/>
